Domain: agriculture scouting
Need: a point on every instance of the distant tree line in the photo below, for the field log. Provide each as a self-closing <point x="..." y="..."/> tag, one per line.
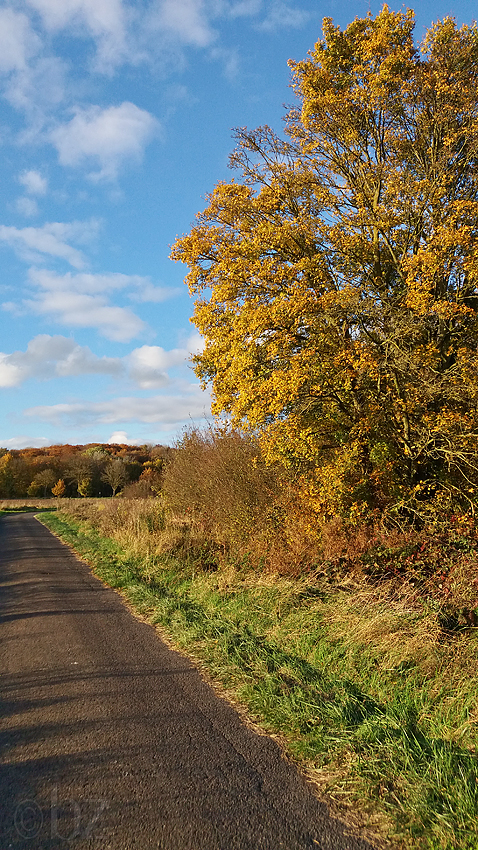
<point x="78" y="471"/>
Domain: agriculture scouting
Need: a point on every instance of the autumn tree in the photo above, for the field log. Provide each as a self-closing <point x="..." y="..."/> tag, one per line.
<point x="7" y="476"/>
<point x="42" y="482"/>
<point x="14" y="475"/>
<point x="85" y="486"/>
<point x="85" y="469"/>
<point x="59" y="489"/>
<point x="336" y="279"/>
<point x="116" y="474"/>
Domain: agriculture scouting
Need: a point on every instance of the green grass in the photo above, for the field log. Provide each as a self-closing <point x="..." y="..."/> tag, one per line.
<point x="382" y="724"/>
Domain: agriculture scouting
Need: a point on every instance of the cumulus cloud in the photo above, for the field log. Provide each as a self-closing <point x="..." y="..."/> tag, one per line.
<point x="186" y="20"/>
<point x="148" y="366"/>
<point x="122" y="31"/>
<point x="37" y="90"/>
<point x="18" y="42"/>
<point x="108" y="137"/>
<point x="146" y="291"/>
<point x="25" y="442"/>
<point x="168" y="412"/>
<point x="103" y="20"/>
<point x="48" y="357"/>
<point x="12" y="308"/>
<point x="88" y="311"/>
<point x="85" y="282"/>
<point x="52" y="239"/>
<point x="33" y="182"/>
<point x="121" y="438"/>
<point x="82" y="300"/>
<point x="53" y="356"/>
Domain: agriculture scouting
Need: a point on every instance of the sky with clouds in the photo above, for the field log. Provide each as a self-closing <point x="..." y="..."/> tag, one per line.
<point x="116" y="122"/>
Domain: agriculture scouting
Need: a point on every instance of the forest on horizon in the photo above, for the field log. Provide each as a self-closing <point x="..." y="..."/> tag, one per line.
<point x="94" y="469"/>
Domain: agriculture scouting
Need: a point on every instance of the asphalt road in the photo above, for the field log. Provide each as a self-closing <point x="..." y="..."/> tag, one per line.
<point x="109" y="739"/>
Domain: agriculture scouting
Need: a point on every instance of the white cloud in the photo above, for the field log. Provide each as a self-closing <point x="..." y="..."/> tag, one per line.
<point x="84" y="282"/>
<point x="33" y="182"/>
<point x="12" y="308"/>
<point x="277" y="14"/>
<point x="53" y="356"/>
<point x="99" y="15"/>
<point x="48" y="357"/>
<point x="88" y="311"/>
<point x="25" y="442"/>
<point x="37" y="89"/>
<point x="121" y="438"/>
<point x="195" y="344"/>
<point x="148" y="365"/>
<point x="18" y="42"/>
<point x="108" y="136"/>
<point x="184" y="20"/>
<point x="27" y="206"/>
<point x="169" y="412"/>
<point x="82" y="300"/>
<point x="245" y="8"/>
<point x="281" y="15"/>
<point x="103" y="20"/>
<point x="147" y="292"/>
<point x="51" y="239"/>
<point x="229" y="58"/>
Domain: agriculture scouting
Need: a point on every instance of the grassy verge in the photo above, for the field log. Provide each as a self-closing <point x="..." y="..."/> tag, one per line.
<point x="368" y="692"/>
<point x="24" y="509"/>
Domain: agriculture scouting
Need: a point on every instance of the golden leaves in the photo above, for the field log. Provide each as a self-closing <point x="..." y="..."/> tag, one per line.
<point x="336" y="280"/>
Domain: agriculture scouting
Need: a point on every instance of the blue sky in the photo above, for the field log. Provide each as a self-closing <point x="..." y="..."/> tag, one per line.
<point x="116" y="122"/>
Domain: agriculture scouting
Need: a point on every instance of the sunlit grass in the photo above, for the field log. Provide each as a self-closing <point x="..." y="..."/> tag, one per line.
<point x="366" y="690"/>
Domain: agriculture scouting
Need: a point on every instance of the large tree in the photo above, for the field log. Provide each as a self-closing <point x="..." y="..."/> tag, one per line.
<point x="336" y="280"/>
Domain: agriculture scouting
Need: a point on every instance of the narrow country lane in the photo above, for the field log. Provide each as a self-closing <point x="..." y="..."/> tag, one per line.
<point x="111" y="740"/>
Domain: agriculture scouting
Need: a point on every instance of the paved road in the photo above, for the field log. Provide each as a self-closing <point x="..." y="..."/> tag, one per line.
<point x="111" y="740"/>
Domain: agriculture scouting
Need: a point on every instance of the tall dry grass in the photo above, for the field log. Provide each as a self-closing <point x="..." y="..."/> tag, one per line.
<point x="222" y="506"/>
<point x="44" y="503"/>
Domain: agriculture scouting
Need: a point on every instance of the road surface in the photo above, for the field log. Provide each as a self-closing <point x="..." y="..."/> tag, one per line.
<point x="111" y="740"/>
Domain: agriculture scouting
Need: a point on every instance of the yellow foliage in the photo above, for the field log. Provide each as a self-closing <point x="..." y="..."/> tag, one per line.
<point x="59" y="489"/>
<point x="336" y="282"/>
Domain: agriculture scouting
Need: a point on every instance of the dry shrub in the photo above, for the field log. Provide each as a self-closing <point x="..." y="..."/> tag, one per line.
<point x="341" y="541"/>
<point x="237" y="507"/>
<point x="461" y="582"/>
<point x="218" y="478"/>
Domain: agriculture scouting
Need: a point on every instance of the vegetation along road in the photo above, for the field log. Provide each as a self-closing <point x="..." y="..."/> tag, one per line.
<point x="110" y="739"/>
